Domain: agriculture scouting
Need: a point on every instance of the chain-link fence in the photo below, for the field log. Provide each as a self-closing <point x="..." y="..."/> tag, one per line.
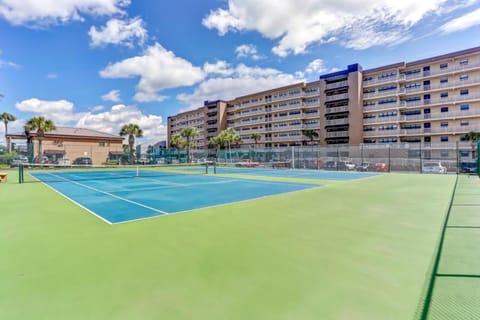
<point x="458" y="157"/>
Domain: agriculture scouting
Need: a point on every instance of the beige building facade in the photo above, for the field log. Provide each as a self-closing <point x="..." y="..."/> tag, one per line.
<point x="72" y="143"/>
<point x="432" y="100"/>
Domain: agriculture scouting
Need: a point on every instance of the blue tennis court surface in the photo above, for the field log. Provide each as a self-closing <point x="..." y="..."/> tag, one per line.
<point x="117" y="197"/>
<point x="297" y="173"/>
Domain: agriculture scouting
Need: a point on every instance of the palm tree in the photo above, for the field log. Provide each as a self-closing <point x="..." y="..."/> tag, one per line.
<point x="472" y="136"/>
<point x="41" y="125"/>
<point x="176" y="141"/>
<point x="7" y="117"/>
<point x="255" y="136"/>
<point x="229" y="136"/>
<point x="131" y="130"/>
<point x="311" y="134"/>
<point x="188" y="134"/>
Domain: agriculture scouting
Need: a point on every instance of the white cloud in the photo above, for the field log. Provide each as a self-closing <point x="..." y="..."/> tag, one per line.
<point x="220" y="67"/>
<point x="158" y="69"/>
<point x="234" y="82"/>
<point x="52" y="76"/>
<point x="113" y="95"/>
<point x="112" y="120"/>
<point x="119" y="32"/>
<point x="59" y="111"/>
<point x="46" y="12"/>
<point x="466" y="21"/>
<point x="297" y="26"/>
<point x="316" y="66"/>
<point x="247" y="50"/>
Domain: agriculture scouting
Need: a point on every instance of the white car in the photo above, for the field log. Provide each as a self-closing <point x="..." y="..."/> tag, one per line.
<point x="350" y="165"/>
<point x="433" y="167"/>
<point x="64" y="162"/>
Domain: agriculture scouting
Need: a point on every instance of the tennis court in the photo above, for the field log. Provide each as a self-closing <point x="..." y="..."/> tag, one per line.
<point x="350" y="249"/>
<point x="124" y="195"/>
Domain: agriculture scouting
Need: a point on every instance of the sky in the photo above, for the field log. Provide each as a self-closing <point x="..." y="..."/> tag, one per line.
<point x="100" y="64"/>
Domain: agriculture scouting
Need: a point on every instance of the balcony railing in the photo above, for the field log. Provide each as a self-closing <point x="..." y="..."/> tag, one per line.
<point x="337" y="134"/>
<point x="335" y="85"/>
<point x="336" y="122"/>
<point x="422" y="131"/>
<point x="334" y="97"/>
<point x="336" y="110"/>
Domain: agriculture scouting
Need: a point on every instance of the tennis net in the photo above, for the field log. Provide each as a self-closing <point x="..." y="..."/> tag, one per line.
<point x="57" y="173"/>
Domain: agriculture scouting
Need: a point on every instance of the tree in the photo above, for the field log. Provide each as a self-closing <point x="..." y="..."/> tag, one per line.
<point x="6" y="118"/>
<point x="41" y="125"/>
<point x="311" y="134"/>
<point x="176" y="141"/>
<point x="474" y="137"/>
<point x="256" y="136"/>
<point x="131" y="130"/>
<point x="189" y="133"/>
<point x="227" y="137"/>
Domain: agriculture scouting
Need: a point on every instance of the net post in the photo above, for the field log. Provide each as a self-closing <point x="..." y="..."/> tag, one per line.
<point x="478" y="158"/>
<point x="20" y="173"/>
<point x="206" y="167"/>
<point x="214" y="167"/>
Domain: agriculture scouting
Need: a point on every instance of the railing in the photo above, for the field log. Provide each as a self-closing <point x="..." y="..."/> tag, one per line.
<point x="336" y="122"/>
<point x="336" y="109"/>
<point x="337" y="134"/>
<point x="334" y="97"/>
<point x="336" y="85"/>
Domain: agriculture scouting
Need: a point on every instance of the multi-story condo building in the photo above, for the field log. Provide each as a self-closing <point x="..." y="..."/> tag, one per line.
<point x="430" y="100"/>
<point x="209" y="121"/>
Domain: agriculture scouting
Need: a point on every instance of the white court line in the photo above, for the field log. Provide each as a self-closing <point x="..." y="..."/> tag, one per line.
<point x="177" y="185"/>
<point x="219" y="205"/>
<point x="109" y="194"/>
<point x="70" y="199"/>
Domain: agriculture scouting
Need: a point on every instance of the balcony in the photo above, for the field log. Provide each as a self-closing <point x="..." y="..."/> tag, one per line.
<point x="381" y="94"/>
<point x="335" y="85"/>
<point x="422" y="131"/>
<point x="288" y="138"/>
<point x="336" y="122"/>
<point x="341" y="96"/>
<point x="287" y="107"/>
<point x="311" y="126"/>
<point x="311" y="115"/>
<point x="337" y="134"/>
<point x="441" y="101"/>
<point x="336" y="110"/>
<point x="381" y="120"/>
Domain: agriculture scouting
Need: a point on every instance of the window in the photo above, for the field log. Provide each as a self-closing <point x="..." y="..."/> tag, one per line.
<point x="463" y="62"/>
<point x="464" y="92"/>
<point x="464" y="153"/>
<point x="443" y="80"/>
<point x="444" y="139"/>
<point x="393" y="100"/>
<point x="444" y="109"/>
<point x="464" y="107"/>
<point x="385" y="88"/>
<point x="464" y="123"/>
<point x="443" y="65"/>
<point x="101" y="144"/>
<point x="443" y="124"/>
<point x="443" y="94"/>
<point x="444" y="154"/>
<point x="464" y="77"/>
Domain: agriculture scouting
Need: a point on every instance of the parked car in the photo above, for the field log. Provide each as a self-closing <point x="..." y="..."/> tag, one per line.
<point x="468" y="167"/>
<point x="433" y="167"/>
<point x="381" y="167"/>
<point x="18" y="160"/>
<point x="41" y="160"/>
<point x="349" y="165"/>
<point x="364" y="166"/>
<point x="330" y="165"/>
<point x="64" y="162"/>
<point x="86" y="161"/>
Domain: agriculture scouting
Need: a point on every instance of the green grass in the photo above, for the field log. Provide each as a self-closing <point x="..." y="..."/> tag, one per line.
<point x="350" y="250"/>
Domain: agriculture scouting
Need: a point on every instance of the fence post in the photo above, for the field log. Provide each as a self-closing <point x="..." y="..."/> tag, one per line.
<point x="458" y="157"/>
<point x="421" y="165"/>
<point x="389" y="158"/>
<point x="338" y="158"/>
<point x="293" y="157"/>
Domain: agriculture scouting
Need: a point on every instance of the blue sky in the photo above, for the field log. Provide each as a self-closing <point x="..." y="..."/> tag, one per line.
<point x="103" y="63"/>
